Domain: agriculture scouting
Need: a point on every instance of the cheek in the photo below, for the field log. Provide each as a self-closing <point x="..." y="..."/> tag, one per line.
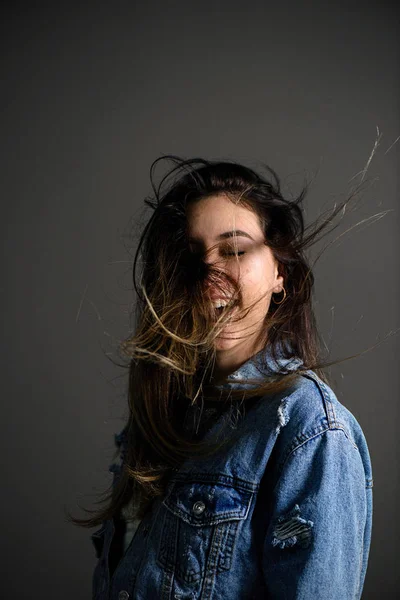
<point x="254" y="274"/>
<point x="256" y="278"/>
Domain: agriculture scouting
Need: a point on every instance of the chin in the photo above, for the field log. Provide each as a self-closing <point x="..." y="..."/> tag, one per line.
<point x="224" y="343"/>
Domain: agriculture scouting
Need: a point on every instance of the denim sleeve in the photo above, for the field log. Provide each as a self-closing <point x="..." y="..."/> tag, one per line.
<point x="120" y="440"/>
<point x="314" y="544"/>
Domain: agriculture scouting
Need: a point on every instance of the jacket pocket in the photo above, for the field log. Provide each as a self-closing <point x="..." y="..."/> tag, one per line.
<point x="201" y="522"/>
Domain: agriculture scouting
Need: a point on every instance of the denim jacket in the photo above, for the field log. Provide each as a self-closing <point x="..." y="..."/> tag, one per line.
<point x="285" y="514"/>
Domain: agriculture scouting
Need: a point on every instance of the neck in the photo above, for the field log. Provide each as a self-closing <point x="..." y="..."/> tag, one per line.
<point x="231" y="359"/>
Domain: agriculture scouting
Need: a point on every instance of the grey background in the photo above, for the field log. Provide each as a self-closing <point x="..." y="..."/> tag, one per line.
<point x="91" y="95"/>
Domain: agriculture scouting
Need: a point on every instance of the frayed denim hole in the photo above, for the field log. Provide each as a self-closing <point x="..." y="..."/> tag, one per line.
<point x="291" y="530"/>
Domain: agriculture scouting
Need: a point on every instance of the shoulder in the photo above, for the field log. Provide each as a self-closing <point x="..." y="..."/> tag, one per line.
<point x="121" y="443"/>
<point x="311" y="409"/>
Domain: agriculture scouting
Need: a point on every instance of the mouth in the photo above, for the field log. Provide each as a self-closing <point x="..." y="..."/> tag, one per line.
<point x="219" y="303"/>
<point x="222" y="306"/>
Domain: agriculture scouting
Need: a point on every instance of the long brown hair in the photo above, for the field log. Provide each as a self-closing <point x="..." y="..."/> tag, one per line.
<point x="171" y="353"/>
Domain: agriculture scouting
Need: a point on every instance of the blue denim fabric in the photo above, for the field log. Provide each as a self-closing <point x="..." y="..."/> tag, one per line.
<point x="286" y="513"/>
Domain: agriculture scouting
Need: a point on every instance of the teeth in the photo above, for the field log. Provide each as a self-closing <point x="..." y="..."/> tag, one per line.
<point x="220" y="303"/>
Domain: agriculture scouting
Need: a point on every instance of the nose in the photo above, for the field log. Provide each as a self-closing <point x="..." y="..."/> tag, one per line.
<point x="208" y="257"/>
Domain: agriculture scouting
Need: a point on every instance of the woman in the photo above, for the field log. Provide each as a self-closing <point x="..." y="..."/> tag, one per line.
<point x="241" y="475"/>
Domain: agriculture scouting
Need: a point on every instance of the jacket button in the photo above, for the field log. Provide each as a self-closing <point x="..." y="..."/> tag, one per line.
<point x="198" y="507"/>
<point x="123" y="595"/>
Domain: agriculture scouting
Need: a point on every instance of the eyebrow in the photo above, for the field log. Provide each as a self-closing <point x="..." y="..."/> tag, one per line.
<point x="227" y="234"/>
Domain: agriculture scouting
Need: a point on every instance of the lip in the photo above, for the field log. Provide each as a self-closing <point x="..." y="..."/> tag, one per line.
<point x="233" y="313"/>
<point x="218" y="297"/>
<point x="214" y="295"/>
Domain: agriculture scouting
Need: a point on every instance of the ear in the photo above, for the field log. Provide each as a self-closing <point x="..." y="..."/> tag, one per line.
<point x="278" y="285"/>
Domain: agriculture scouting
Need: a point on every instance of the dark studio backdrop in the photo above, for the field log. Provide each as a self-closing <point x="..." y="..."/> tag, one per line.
<point x="91" y="95"/>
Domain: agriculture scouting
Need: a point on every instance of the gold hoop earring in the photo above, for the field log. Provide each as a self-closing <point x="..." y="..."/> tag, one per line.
<point x="284" y="291"/>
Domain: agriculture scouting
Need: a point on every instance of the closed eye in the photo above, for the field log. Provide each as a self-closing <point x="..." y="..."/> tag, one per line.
<point x="239" y="253"/>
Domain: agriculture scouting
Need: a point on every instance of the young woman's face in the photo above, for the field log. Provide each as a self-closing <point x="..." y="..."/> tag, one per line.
<point x="245" y="257"/>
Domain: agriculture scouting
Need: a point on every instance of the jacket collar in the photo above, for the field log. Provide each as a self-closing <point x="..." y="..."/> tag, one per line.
<point x="260" y="366"/>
